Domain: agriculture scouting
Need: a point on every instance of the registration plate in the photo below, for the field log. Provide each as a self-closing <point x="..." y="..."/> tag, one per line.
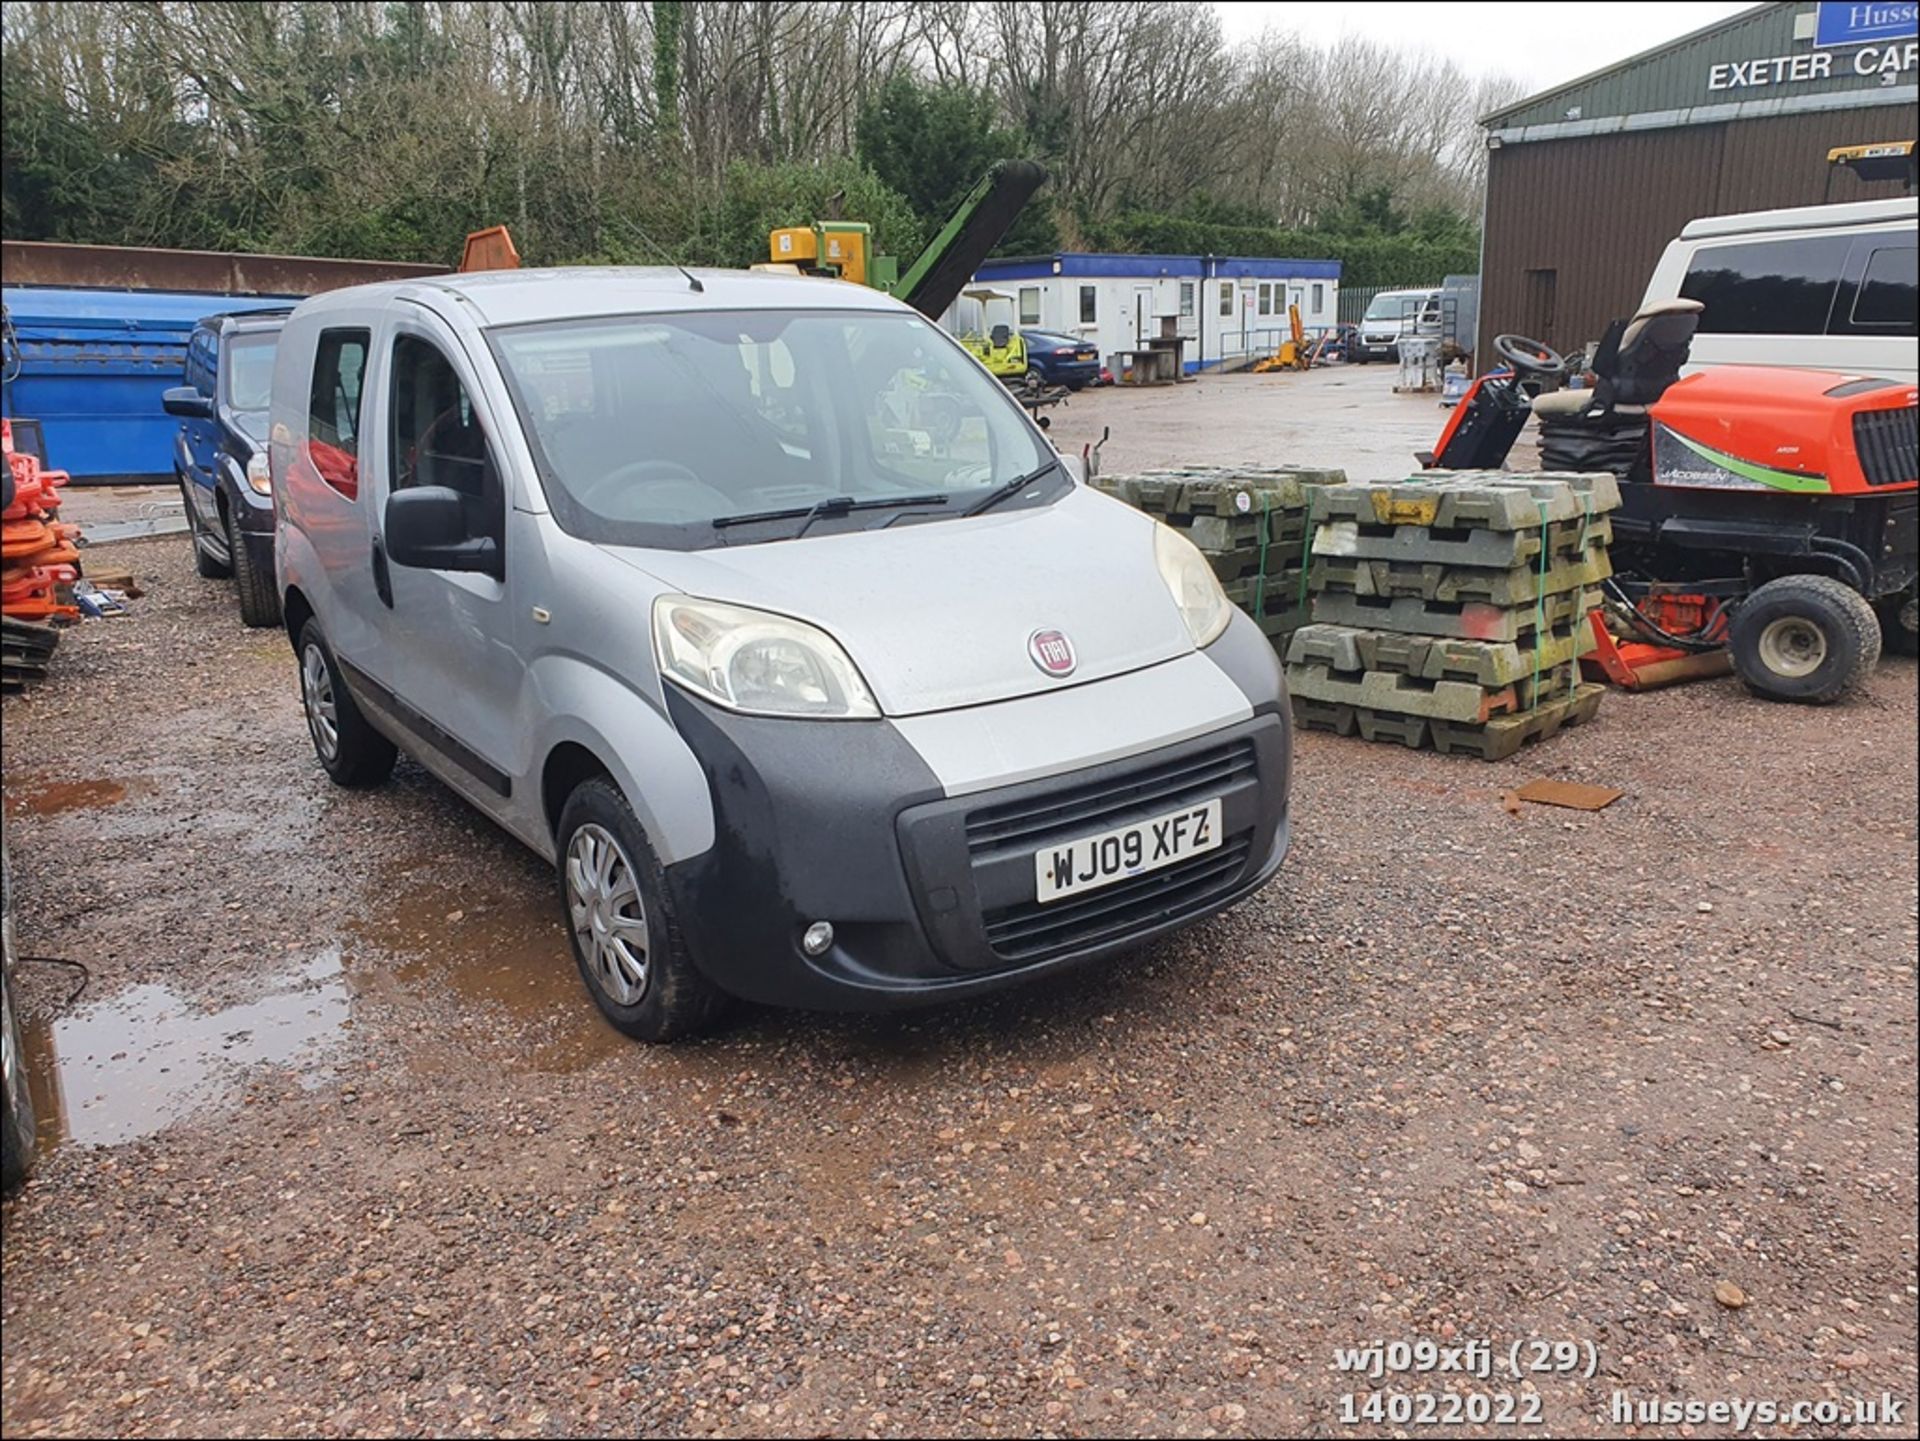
<point x="1095" y="861"/>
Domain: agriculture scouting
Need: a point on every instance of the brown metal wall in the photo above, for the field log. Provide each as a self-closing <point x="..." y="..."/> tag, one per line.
<point x="118" y="267"/>
<point x="1598" y="210"/>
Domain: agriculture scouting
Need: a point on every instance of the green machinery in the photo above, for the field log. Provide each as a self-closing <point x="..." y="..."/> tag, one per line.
<point x="938" y="275"/>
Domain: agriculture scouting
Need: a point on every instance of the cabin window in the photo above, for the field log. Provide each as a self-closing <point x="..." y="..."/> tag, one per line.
<point x="1029" y="305"/>
<point x="1088" y="304"/>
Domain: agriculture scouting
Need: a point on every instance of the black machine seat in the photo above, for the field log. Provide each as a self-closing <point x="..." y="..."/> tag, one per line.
<point x="1636" y="362"/>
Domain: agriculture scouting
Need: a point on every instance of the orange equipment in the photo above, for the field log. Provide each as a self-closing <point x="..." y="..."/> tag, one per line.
<point x="38" y="554"/>
<point x="489" y="249"/>
<point x="1689" y="641"/>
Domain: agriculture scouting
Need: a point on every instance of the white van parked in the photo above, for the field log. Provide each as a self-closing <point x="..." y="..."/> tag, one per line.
<point x="1823" y="287"/>
<point x="1392" y="314"/>
<point x="756" y="605"/>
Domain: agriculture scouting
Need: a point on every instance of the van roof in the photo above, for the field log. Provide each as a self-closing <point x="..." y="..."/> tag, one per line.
<point x="513" y="297"/>
<point x="1805" y="217"/>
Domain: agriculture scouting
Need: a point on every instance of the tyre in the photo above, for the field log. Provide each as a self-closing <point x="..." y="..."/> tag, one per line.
<point x="1034" y="379"/>
<point x="204" y="564"/>
<point x="621" y="923"/>
<point x="1805" y="638"/>
<point x="1900" y="622"/>
<point x="351" y="751"/>
<point x="16" y="1124"/>
<point x="259" y="601"/>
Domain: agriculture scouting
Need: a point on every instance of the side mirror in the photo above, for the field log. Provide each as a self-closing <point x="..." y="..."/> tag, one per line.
<point x="427" y="529"/>
<point x="186" y="402"/>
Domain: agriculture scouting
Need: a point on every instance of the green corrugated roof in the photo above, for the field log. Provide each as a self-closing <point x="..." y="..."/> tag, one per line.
<point x="1676" y="75"/>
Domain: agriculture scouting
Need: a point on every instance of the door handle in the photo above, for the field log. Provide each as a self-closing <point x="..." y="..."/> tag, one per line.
<point x="382" y="581"/>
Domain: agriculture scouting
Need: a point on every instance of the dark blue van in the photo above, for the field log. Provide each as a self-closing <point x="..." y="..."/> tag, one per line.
<point x="220" y="454"/>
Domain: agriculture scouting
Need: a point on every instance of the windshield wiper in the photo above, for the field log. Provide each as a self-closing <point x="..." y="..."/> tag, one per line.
<point x="1011" y="488"/>
<point x="832" y="505"/>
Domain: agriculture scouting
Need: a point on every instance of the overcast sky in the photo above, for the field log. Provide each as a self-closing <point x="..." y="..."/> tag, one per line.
<point x="1539" y="45"/>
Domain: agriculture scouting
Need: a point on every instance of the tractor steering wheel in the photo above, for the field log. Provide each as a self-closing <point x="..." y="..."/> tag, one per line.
<point x="1530" y="359"/>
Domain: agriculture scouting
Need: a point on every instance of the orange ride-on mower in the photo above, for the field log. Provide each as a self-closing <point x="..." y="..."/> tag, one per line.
<point x="1774" y="512"/>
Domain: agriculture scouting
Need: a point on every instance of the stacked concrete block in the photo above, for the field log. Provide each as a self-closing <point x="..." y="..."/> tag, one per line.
<point x="1253" y="524"/>
<point x="1450" y="609"/>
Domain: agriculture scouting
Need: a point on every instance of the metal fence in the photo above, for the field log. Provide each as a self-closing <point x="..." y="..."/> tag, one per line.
<point x="1355" y="300"/>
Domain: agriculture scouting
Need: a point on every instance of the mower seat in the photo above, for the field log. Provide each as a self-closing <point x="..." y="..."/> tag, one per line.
<point x="1637" y="360"/>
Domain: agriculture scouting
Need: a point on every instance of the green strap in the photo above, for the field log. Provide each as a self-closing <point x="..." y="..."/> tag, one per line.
<point x="1260" y="581"/>
<point x="1573" y="659"/>
<point x="1306" y="550"/>
<point x="1540" y="604"/>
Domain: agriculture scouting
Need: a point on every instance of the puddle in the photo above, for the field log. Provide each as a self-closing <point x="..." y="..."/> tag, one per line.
<point x="503" y="962"/>
<point x="52" y="798"/>
<point x="131" y="1064"/>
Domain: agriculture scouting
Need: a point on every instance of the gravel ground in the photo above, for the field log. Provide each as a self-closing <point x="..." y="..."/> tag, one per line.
<point x="338" y="1144"/>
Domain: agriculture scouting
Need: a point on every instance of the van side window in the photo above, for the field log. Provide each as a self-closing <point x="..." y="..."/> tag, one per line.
<point x="1767" y="287"/>
<point x="333" y="408"/>
<point x="438" y="439"/>
<point x="1888" y="296"/>
<point x="199" y="373"/>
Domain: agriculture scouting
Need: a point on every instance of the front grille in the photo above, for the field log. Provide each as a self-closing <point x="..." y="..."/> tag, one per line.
<point x="1889" y="445"/>
<point x="1080" y="810"/>
<point x="1030" y="931"/>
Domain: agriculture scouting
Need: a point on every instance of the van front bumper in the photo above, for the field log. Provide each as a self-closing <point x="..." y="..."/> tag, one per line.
<point x="933" y="897"/>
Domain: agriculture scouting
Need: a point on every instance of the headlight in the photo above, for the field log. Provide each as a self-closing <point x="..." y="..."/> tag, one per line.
<point x="1196" y="589"/>
<point x="753" y="661"/>
<point x="258" y="476"/>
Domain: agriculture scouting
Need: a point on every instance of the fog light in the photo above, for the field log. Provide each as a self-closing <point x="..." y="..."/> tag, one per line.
<point x="817" y="938"/>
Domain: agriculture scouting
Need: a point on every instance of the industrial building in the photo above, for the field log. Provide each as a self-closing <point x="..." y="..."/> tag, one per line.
<point x="1587" y="182"/>
<point x="1224" y="307"/>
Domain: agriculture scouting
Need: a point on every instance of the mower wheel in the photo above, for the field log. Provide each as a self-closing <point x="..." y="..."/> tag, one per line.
<point x="1900" y="622"/>
<point x="1805" y="638"/>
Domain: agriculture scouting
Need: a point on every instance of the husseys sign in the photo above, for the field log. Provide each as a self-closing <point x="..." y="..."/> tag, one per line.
<point x="1883" y="31"/>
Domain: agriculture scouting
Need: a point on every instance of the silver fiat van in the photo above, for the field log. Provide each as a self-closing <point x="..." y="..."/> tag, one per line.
<point x="754" y="603"/>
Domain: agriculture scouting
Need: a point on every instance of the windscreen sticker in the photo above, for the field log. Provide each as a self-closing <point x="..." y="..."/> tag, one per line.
<point x="1683" y="462"/>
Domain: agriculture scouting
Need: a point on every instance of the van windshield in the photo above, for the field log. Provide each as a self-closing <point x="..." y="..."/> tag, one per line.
<point x="729" y="427"/>
<point x="1393" y="305"/>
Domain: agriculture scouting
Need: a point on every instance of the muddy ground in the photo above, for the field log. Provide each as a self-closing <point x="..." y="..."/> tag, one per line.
<point x="335" y="1142"/>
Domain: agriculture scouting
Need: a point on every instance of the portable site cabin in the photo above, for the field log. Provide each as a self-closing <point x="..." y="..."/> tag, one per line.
<point x="1227" y="308"/>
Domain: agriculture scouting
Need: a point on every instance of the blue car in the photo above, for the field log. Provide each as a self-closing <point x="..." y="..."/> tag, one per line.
<point x="220" y="454"/>
<point x="1061" y="359"/>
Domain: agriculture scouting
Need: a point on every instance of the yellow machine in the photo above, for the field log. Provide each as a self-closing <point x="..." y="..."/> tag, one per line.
<point x="1294" y="352"/>
<point x="997" y="340"/>
<point x="842" y="248"/>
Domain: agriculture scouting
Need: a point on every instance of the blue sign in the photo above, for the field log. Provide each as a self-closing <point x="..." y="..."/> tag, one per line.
<point x="1860" y="22"/>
